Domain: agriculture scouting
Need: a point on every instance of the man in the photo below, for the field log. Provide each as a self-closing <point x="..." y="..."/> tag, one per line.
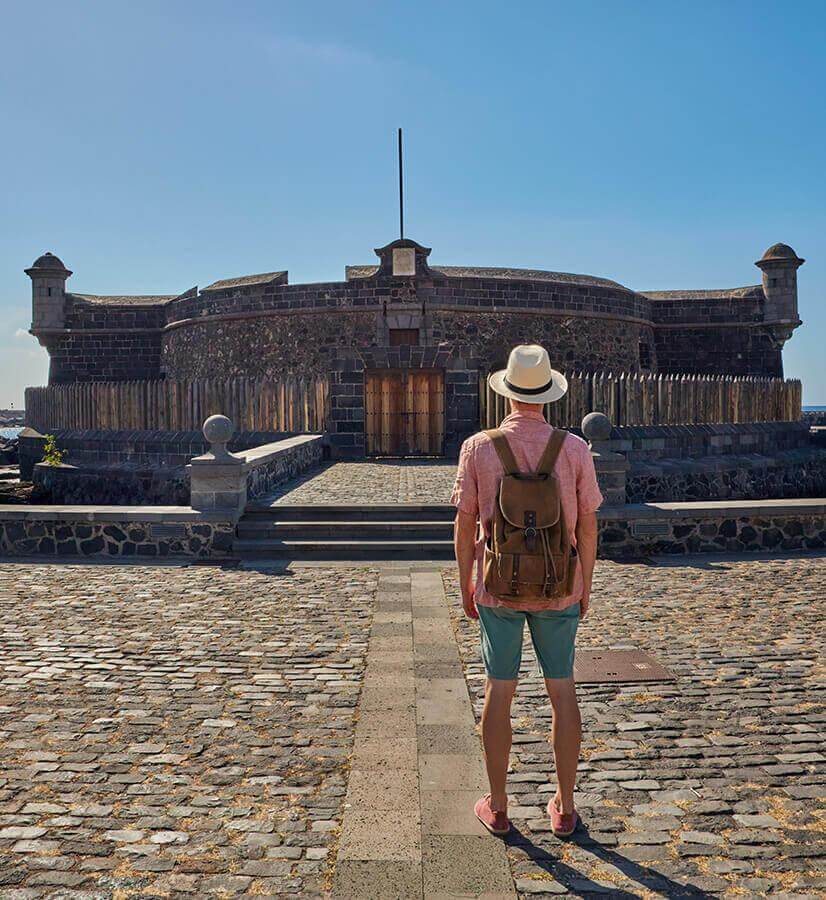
<point x="528" y="383"/>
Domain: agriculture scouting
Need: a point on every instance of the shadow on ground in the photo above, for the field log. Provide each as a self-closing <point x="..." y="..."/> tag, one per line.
<point x="580" y="884"/>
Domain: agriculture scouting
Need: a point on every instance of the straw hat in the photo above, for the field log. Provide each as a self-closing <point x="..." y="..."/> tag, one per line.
<point x="529" y="376"/>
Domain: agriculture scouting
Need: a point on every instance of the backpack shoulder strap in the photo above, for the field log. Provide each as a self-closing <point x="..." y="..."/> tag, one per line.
<point x="548" y="460"/>
<point x="503" y="448"/>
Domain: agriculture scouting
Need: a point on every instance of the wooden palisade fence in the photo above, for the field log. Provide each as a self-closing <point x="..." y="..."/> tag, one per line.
<point x="288" y="404"/>
<point x="302" y="404"/>
<point x="644" y="399"/>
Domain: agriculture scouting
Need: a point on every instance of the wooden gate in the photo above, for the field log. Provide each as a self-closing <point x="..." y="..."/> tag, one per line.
<point x="404" y="412"/>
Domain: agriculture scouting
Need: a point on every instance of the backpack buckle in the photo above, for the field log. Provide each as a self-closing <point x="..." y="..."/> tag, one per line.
<point x="530" y="530"/>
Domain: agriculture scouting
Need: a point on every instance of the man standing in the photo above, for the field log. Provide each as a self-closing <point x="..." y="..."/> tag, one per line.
<point x="528" y="383"/>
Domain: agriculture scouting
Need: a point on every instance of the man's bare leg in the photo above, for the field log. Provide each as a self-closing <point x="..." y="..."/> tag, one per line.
<point x="496" y="738"/>
<point x="566" y="734"/>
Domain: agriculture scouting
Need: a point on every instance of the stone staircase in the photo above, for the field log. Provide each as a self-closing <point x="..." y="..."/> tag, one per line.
<point x="399" y="531"/>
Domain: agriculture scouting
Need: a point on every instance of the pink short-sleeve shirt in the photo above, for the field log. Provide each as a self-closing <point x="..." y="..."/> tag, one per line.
<point x="477" y="486"/>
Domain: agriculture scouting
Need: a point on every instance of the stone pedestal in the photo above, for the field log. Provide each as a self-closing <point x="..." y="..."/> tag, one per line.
<point x="218" y="478"/>
<point x="611" y="467"/>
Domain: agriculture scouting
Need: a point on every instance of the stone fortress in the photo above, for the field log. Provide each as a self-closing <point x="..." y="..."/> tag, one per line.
<point x="696" y="435"/>
<point x="406" y="316"/>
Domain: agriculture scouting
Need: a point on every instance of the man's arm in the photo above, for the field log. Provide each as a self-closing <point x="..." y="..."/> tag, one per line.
<point x="586" y="545"/>
<point x="464" y="542"/>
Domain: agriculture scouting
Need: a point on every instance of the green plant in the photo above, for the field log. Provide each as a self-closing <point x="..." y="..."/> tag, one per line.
<point x="51" y="454"/>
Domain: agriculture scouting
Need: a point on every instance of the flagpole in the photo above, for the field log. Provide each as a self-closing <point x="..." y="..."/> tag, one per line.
<point x="401" y="189"/>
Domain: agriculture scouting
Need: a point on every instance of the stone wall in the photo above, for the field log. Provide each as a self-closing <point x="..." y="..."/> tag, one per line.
<point x="587" y="343"/>
<point x="789" y="474"/>
<point x="713" y="332"/>
<point x="121" y="534"/>
<point x="644" y="443"/>
<point x="298" y="344"/>
<point x="137" y="468"/>
<point x="121" y="485"/>
<point x="276" y="468"/>
<point x="759" y="530"/>
<point x="150" y="449"/>
<point x="106" y="342"/>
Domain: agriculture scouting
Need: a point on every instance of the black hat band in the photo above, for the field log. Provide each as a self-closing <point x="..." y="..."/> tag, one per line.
<point x="528" y="391"/>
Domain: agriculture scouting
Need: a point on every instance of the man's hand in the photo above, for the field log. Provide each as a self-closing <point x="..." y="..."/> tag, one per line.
<point x="468" y="601"/>
<point x="584" y="603"/>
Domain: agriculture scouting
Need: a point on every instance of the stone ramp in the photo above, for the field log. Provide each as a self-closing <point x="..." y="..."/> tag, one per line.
<point x="372" y="481"/>
<point x="417" y="769"/>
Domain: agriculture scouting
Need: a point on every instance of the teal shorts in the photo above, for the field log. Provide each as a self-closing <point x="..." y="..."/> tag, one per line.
<point x="553" y="633"/>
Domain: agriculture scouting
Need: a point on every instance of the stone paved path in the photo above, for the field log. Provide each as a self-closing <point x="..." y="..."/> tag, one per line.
<point x="170" y="731"/>
<point x="714" y="784"/>
<point x="409" y="829"/>
<point x="385" y="481"/>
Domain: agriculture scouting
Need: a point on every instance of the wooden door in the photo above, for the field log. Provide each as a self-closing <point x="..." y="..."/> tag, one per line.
<point x="404" y="412"/>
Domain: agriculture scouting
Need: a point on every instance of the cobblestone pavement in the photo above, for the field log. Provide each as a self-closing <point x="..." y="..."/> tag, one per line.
<point x="387" y="481"/>
<point x="713" y="784"/>
<point x="171" y="731"/>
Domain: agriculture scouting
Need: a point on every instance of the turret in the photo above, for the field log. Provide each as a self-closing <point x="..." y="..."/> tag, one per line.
<point x="48" y="275"/>
<point x="779" y="265"/>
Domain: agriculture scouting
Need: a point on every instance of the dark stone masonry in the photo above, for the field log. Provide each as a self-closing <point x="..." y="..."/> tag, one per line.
<point x="404" y="314"/>
<point x="622" y="535"/>
<point x="124" y="539"/>
<point x="143" y="468"/>
<point x="795" y="473"/>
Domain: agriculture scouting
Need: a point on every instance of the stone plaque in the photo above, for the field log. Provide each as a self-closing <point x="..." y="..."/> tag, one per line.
<point x="650" y="529"/>
<point x="404" y="261"/>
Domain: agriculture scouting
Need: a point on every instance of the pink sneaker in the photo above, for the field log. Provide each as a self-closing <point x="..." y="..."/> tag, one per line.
<point x="495" y="822"/>
<point x="563" y="824"/>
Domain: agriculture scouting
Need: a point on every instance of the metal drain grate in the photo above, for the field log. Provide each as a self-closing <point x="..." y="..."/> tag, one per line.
<point x="617" y="666"/>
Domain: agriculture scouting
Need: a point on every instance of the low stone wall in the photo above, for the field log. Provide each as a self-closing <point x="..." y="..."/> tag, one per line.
<point x="273" y="464"/>
<point x="652" y="442"/>
<point x="224" y="482"/>
<point x="655" y="529"/>
<point x="113" y="531"/>
<point x="787" y="475"/>
<point x="122" y="485"/>
<point x="151" y="468"/>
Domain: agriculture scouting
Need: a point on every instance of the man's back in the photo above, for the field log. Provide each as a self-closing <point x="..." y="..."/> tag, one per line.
<point x="480" y="472"/>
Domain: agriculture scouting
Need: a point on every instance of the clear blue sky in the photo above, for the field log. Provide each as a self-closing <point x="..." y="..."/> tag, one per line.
<point x="154" y="146"/>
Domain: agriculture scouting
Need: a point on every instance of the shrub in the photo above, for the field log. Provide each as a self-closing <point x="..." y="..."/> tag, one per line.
<point x="51" y="454"/>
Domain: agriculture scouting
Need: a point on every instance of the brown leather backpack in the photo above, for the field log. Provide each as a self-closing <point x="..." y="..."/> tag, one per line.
<point x="528" y="555"/>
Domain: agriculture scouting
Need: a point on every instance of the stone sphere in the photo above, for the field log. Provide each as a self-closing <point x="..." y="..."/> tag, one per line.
<point x="218" y="429"/>
<point x="596" y="426"/>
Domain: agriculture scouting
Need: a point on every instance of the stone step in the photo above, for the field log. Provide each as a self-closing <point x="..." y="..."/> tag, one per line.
<point x="395" y="512"/>
<point x="359" y="528"/>
<point x="343" y="549"/>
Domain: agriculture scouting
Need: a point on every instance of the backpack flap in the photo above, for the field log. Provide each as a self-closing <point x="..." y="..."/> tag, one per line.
<point x="530" y="502"/>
